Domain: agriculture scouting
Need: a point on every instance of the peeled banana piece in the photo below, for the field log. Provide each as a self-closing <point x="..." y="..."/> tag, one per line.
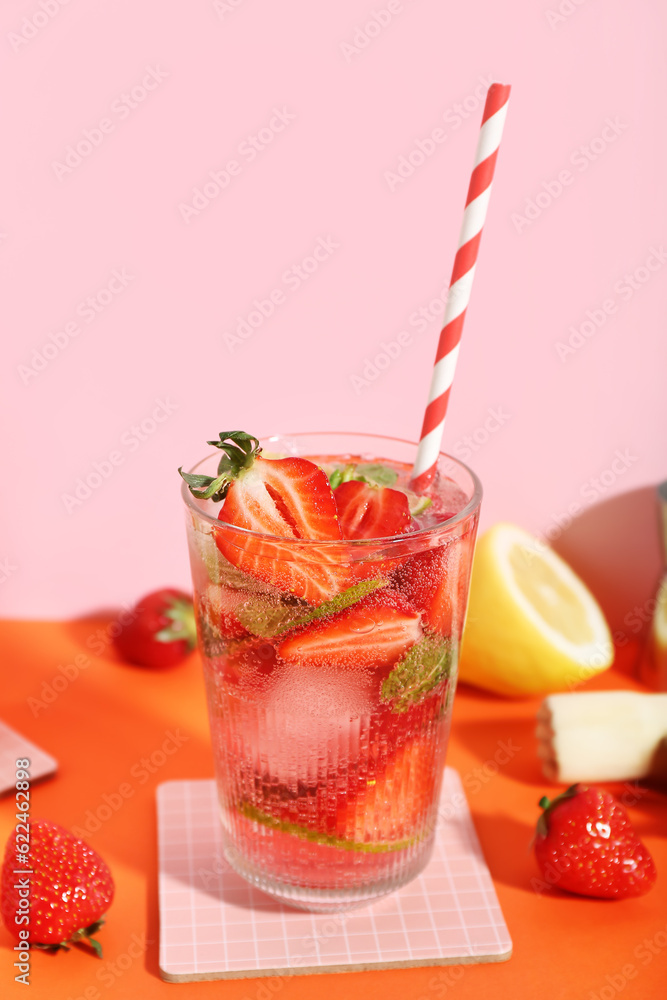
<point x="591" y="736"/>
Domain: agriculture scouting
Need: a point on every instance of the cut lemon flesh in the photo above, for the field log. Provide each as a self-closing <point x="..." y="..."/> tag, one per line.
<point x="533" y="626"/>
<point x="552" y="597"/>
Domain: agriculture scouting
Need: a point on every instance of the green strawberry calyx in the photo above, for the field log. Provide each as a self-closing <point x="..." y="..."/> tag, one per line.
<point x="239" y="452"/>
<point x="84" y="936"/>
<point x="181" y="627"/>
<point x="549" y="805"/>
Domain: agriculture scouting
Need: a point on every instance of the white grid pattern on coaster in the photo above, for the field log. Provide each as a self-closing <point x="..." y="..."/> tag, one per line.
<point x="15" y="747"/>
<point x="214" y="925"/>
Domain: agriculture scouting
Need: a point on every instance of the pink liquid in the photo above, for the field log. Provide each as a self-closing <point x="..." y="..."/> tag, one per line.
<point x="328" y="788"/>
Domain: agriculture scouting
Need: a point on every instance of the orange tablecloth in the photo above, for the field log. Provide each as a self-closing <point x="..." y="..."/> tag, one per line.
<point x="107" y="720"/>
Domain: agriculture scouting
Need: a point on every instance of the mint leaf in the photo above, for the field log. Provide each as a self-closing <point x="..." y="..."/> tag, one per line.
<point x="265" y="619"/>
<point x="366" y="472"/>
<point x="423" y="667"/>
<point x="375" y="474"/>
<point x="378" y="475"/>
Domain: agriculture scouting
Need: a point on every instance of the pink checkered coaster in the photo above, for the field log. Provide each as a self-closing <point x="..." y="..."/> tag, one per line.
<point x="214" y="925"/>
<point x="15" y="747"/>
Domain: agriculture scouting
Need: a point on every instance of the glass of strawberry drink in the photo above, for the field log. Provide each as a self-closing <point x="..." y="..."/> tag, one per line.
<point x="330" y="603"/>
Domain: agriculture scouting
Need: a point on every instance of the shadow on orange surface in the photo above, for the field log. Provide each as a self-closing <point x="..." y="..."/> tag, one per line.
<point x="503" y="744"/>
<point x="94" y="632"/>
<point x="506" y="843"/>
<point x="116" y="732"/>
<point x="94" y="635"/>
<point x="646" y="802"/>
<point x="152" y="953"/>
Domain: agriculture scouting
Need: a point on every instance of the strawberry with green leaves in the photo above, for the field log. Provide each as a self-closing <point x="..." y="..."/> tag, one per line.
<point x="271" y="499"/>
<point x="161" y="631"/>
<point x="67" y="884"/>
<point x="586" y="844"/>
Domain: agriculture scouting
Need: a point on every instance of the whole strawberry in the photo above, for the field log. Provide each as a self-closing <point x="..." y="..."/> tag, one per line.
<point x="586" y="844"/>
<point x="161" y="632"/>
<point x="65" y="892"/>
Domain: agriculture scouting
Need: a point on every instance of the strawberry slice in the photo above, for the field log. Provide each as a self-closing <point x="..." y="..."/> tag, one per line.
<point x="245" y="664"/>
<point x="290" y="497"/>
<point x="376" y="632"/>
<point x="393" y="806"/>
<point x="436" y="582"/>
<point x="387" y="810"/>
<point x="423" y="581"/>
<point x="367" y="511"/>
<point x="284" y="498"/>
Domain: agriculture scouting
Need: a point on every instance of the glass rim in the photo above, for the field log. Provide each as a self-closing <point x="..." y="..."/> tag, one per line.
<point x="470" y="508"/>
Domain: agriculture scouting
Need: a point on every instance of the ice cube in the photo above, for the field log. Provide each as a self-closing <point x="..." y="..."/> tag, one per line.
<point x="311" y="720"/>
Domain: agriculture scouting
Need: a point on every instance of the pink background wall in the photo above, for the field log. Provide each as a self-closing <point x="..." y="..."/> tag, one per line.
<point x="350" y="106"/>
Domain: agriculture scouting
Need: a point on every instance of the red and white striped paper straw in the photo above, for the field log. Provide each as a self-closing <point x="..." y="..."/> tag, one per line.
<point x="460" y="285"/>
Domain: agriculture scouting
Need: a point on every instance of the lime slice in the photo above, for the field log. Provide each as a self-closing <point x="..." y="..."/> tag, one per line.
<point x="416" y="503"/>
<point x="330" y="840"/>
<point x="365" y="472"/>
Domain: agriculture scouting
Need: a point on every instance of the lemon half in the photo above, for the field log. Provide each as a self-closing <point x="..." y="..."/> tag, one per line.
<point x="533" y="627"/>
